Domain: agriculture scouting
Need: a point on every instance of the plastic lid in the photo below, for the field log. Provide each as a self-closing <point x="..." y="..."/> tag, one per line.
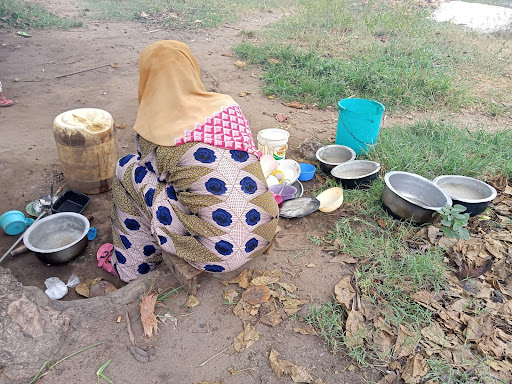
<point x="274" y="134"/>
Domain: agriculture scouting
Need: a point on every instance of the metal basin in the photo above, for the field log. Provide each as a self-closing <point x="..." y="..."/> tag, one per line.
<point x="410" y="196"/>
<point x="474" y="194"/>
<point x="357" y="173"/>
<point x="333" y="155"/>
<point x="58" y="238"/>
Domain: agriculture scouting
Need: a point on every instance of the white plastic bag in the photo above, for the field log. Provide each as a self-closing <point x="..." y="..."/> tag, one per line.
<point x="56" y="289"/>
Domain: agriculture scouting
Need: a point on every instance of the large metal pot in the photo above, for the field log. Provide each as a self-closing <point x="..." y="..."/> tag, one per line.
<point x="58" y="238"/>
<point x="472" y="193"/>
<point x="410" y="196"/>
<point x="356" y="173"/>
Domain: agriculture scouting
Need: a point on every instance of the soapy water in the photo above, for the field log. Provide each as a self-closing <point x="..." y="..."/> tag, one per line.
<point x="56" y="235"/>
<point x="462" y="191"/>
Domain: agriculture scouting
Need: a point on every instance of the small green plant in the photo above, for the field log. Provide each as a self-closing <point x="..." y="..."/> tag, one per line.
<point x="100" y="374"/>
<point x="453" y="222"/>
<point x="46" y="367"/>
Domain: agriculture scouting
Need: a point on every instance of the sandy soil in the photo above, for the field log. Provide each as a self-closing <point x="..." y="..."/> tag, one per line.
<point x="29" y="163"/>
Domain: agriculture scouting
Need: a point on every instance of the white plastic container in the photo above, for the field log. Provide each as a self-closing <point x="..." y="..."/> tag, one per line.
<point x="87" y="145"/>
<point x="274" y="142"/>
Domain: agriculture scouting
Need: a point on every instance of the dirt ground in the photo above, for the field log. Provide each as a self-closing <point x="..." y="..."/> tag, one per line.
<point x="29" y="163"/>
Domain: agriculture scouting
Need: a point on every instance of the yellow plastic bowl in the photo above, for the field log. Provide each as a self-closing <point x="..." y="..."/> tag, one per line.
<point x="330" y="199"/>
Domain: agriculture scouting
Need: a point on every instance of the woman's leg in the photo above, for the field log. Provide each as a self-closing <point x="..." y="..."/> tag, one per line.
<point x="220" y="213"/>
<point x="135" y="250"/>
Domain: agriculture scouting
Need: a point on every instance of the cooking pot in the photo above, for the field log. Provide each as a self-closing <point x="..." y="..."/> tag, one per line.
<point x="58" y="238"/>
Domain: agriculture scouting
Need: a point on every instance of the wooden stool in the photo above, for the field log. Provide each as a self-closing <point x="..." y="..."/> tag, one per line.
<point x="183" y="271"/>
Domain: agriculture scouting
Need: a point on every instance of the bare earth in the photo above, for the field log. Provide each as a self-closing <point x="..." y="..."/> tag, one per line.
<point x="29" y="163"/>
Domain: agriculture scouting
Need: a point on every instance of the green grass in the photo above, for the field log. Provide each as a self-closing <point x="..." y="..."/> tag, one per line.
<point x="393" y="279"/>
<point x="432" y="148"/>
<point x="310" y="77"/>
<point x="395" y="54"/>
<point x="26" y="15"/>
<point x="176" y="13"/>
<point x="329" y="319"/>
<point x="475" y="371"/>
<point x="392" y="265"/>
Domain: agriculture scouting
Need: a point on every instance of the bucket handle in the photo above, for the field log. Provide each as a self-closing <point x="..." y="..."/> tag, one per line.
<point x="351" y="134"/>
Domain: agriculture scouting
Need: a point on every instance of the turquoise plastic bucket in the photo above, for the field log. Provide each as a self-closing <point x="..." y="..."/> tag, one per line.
<point x="359" y="123"/>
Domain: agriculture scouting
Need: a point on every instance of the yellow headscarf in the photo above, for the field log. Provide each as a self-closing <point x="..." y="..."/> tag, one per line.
<point x="172" y="97"/>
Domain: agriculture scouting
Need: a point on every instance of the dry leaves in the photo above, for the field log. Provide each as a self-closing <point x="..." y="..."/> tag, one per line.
<point x="256" y="295"/>
<point x="244" y="93"/>
<point x="240" y="64"/>
<point x="283" y="367"/>
<point x="229" y="296"/>
<point x="306" y="330"/>
<point x="343" y="259"/>
<point x="344" y="292"/>
<point x="295" y="104"/>
<point x="147" y="314"/>
<point x="191" y="302"/>
<point x="246" y="338"/>
<point x="270" y="304"/>
<point x="121" y="126"/>
<point x="415" y="369"/>
<point x="94" y="287"/>
<point x="472" y="316"/>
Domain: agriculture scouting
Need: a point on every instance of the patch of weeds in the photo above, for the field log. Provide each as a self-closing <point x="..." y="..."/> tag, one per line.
<point x="433" y="148"/>
<point x="176" y="13"/>
<point x="473" y="370"/>
<point x="26" y="15"/>
<point x="366" y="240"/>
<point x="394" y="53"/>
<point x="329" y="319"/>
<point x="390" y="281"/>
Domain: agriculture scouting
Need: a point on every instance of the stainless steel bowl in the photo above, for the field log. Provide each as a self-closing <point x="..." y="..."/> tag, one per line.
<point x="300" y="189"/>
<point x="333" y="155"/>
<point x="356" y="173"/>
<point x="472" y="193"/>
<point x="58" y="238"/>
<point x="410" y="196"/>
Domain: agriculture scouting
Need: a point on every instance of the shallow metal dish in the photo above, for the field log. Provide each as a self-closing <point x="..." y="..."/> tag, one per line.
<point x="58" y="238"/>
<point x="333" y="155"/>
<point x="300" y="189"/>
<point x="472" y="193"/>
<point x="410" y="196"/>
<point x="299" y="207"/>
<point x="356" y="173"/>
